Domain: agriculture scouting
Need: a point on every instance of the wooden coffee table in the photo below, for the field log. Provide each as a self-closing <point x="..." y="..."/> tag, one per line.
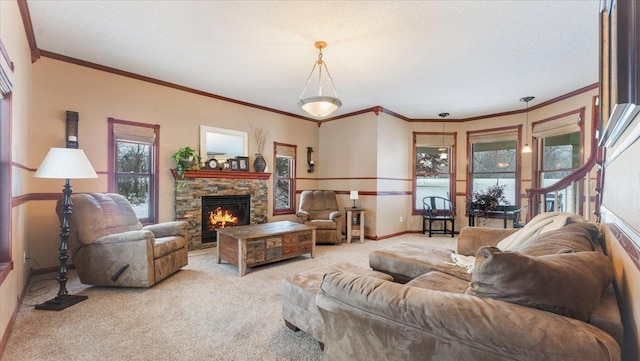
<point x="255" y="245"/>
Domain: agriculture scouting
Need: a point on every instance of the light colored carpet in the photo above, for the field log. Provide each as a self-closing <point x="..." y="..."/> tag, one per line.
<point x="203" y="312"/>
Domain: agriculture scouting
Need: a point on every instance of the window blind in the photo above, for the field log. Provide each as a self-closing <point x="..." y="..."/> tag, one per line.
<point x="434" y="140"/>
<point x="285" y="151"/>
<point x="564" y="125"/>
<point x="133" y="134"/>
<point x="494" y="136"/>
<point x="5" y="83"/>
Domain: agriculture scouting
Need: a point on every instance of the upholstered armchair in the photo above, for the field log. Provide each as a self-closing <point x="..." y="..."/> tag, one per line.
<point x="320" y="209"/>
<point x="109" y="246"/>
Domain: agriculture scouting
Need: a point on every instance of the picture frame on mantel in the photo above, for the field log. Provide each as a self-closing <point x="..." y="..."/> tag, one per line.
<point x="234" y="164"/>
<point x="243" y="164"/>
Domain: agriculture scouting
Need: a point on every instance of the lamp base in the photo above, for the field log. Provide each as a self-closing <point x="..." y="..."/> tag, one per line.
<point x="59" y="303"/>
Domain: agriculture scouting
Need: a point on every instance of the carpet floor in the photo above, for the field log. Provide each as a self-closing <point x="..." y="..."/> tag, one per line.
<point x="203" y="312"/>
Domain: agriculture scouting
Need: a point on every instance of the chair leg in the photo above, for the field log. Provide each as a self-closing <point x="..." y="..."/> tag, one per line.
<point x="430" y="226"/>
<point x="453" y="227"/>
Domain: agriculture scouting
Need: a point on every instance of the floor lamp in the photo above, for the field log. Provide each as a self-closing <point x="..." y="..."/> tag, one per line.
<point x="64" y="163"/>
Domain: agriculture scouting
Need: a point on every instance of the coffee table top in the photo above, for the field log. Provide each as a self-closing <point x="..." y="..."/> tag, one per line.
<point x="264" y="229"/>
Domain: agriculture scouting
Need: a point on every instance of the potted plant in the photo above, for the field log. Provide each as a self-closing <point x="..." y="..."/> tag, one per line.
<point x="483" y="202"/>
<point x="186" y="158"/>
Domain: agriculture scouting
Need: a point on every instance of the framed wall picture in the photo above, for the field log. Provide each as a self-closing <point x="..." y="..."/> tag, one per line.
<point x="234" y="164"/>
<point x="243" y="163"/>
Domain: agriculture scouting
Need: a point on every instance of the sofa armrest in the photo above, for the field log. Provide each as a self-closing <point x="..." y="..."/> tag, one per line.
<point x="335" y="216"/>
<point x="303" y="216"/>
<point x="368" y="318"/>
<point x="167" y="229"/>
<point x="130" y="236"/>
<point x="472" y="238"/>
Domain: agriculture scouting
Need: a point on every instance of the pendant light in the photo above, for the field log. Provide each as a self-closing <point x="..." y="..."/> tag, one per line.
<point x="526" y="148"/>
<point x="319" y="105"/>
<point x="443" y="149"/>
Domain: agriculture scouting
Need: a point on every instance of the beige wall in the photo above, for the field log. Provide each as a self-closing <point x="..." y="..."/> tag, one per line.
<point x="367" y="152"/>
<point x="347" y="159"/>
<point x="373" y="153"/>
<point x="97" y="95"/>
<point x="12" y="35"/>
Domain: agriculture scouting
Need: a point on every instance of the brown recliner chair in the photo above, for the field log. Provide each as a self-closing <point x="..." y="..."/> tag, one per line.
<point x="110" y="247"/>
<point x="320" y="209"/>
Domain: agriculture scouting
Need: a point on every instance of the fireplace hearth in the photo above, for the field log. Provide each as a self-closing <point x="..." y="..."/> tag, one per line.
<point x="223" y="211"/>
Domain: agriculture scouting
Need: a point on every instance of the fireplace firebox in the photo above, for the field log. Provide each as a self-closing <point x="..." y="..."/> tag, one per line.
<point x="223" y="211"/>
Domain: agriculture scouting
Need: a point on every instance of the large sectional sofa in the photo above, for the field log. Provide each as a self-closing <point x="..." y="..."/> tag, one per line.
<point x="542" y="293"/>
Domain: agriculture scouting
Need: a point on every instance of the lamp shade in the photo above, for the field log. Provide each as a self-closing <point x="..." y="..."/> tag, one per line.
<point x="320" y="106"/>
<point x="526" y="149"/>
<point x="353" y="195"/>
<point x="65" y="163"/>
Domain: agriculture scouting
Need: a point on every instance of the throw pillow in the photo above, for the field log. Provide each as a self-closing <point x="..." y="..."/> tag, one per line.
<point x="574" y="237"/>
<point x="568" y="284"/>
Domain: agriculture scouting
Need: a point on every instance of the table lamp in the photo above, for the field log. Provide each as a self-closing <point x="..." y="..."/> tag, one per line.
<point x="64" y="163"/>
<point x="353" y="195"/>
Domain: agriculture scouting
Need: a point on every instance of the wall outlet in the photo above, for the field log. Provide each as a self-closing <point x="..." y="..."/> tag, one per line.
<point x="401" y="219"/>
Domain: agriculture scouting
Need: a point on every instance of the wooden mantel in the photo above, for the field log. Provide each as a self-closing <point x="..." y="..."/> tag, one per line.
<point x="224" y="174"/>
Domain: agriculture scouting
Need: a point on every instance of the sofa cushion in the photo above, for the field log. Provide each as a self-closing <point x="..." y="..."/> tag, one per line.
<point x="568" y="284"/>
<point x="439" y="281"/>
<point x="406" y="261"/>
<point x="542" y="223"/>
<point x="574" y="237"/>
<point x="322" y="224"/>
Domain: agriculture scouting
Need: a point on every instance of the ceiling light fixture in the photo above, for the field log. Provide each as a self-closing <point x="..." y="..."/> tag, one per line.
<point x="526" y="148"/>
<point x="319" y="105"/>
<point x="443" y="149"/>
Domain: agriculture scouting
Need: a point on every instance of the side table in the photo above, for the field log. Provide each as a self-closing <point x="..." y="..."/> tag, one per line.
<point x="355" y="223"/>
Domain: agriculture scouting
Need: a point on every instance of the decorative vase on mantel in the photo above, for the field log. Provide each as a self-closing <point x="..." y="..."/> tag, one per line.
<point x="259" y="164"/>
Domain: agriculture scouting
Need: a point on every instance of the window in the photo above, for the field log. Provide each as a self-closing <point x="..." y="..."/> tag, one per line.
<point x="5" y="179"/>
<point x="284" y="179"/>
<point x="5" y="173"/>
<point x="432" y="167"/>
<point x="559" y="140"/>
<point x="494" y="161"/>
<point x="133" y="163"/>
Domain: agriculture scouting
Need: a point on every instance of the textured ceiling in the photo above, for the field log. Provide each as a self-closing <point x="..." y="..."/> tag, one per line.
<point x="415" y="58"/>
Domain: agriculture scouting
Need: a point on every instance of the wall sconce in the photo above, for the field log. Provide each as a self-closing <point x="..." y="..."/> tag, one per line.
<point x="353" y="195"/>
<point x="309" y="160"/>
<point x="72" y="130"/>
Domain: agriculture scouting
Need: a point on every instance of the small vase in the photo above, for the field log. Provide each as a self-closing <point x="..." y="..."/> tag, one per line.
<point x="259" y="164"/>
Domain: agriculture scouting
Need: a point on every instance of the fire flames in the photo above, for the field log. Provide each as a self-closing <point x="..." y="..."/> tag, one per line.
<point x="221" y="219"/>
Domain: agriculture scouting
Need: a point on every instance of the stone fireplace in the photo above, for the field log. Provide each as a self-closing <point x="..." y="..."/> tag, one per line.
<point x="192" y="186"/>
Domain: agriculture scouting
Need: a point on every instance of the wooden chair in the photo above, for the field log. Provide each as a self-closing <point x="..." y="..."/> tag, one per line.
<point x="517" y="215"/>
<point x="438" y="209"/>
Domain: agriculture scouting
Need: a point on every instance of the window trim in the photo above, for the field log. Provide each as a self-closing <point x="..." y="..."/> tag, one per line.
<point x="536" y="168"/>
<point x="518" y="172"/>
<point x="292" y="178"/>
<point x="6" y="262"/>
<point x="155" y="165"/>
<point x="452" y="168"/>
